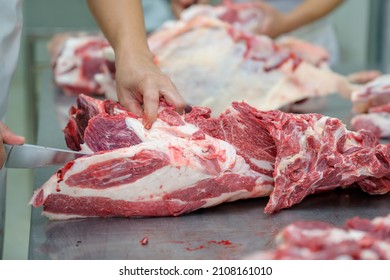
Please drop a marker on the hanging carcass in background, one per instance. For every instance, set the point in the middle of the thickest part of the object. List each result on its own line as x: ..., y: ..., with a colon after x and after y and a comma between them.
x: 371, y: 106
x: 214, y: 58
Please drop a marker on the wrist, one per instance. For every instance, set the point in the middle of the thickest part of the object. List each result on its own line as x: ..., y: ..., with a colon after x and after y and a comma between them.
x: 288, y: 24
x: 130, y: 52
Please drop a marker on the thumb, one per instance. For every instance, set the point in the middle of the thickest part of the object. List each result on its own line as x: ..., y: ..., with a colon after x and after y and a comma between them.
x: 7, y: 136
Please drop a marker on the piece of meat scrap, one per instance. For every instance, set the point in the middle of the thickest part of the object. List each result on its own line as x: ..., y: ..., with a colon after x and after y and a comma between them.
x: 358, y: 239
x: 371, y: 105
x: 372, y: 94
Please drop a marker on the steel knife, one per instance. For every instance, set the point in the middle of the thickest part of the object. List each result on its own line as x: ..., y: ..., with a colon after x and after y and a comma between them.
x: 32, y: 156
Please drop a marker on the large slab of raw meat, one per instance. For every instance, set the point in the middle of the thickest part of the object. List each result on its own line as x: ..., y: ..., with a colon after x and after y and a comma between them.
x: 214, y: 64
x: 214, y: 57
x: 188, y: 162
x: 314, y: 153
x: 172, y: 169
x: 247, y: 17
x: 357, y: 239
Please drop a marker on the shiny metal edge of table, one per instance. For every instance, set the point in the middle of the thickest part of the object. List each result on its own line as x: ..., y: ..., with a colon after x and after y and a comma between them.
x: 228, y: 231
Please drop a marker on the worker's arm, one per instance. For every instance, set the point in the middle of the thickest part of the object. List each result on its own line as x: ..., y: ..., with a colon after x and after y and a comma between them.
x: 277, y: 23
x: 7, y: 136
x: 138, y: 80
x: 179, y: 5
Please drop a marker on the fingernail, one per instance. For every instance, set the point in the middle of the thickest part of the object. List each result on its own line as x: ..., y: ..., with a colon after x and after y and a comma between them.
x: 146, y: 124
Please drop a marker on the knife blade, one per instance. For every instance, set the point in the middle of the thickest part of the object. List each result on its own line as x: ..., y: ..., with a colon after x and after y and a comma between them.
x: 32, y: 156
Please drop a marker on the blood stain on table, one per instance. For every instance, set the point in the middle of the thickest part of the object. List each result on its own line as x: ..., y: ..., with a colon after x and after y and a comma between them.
x: 210, y: 243
x: 144, y: 240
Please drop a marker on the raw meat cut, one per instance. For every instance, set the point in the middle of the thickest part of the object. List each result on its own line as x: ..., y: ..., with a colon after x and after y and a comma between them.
x: 245, y: 16
x: 372, y: 94
x: 172, y: 169
x: 240, y: 126
x: 214, y: 58
x: 214, y: 64
x: 314, y: 153
x: 358, y: 239
x: 376, y: 120
x: 371, y: 104
x: 249, y: 17
x: 155, y: 178
x: 105, y: 117
x: 97, y: 125
x: 317, y: 153
x: 76, y: 59
x: 243, y: 153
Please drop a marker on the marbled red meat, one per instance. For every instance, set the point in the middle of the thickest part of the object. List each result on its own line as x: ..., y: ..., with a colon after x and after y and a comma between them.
x: 187, y: 162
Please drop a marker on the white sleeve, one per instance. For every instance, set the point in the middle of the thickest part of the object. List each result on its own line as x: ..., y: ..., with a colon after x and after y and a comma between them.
x: 11, y: 27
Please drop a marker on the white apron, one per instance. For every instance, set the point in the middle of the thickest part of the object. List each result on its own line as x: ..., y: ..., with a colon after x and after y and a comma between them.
x: 10, y: 32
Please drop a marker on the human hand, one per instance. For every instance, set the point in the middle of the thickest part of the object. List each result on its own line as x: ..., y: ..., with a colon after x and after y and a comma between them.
x: 7, y: 136
x: 140, y: 84
x: 275, y: 23
x: 363, y: 77
x: 179, y: 5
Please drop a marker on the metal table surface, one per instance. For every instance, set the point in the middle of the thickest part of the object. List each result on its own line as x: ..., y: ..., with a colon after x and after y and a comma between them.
x: 228, y: 231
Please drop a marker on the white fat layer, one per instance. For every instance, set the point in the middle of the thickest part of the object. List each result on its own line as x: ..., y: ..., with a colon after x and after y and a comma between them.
x: 380, y: 120
x: 158, y: 183
x: 368, y: 255
x: 55, y: 216
x: 262, y: 164
x: 230, y: 196
x: 160, y: 130
x: 85, y: 149
x: 182, y: 172
x: 382, y: 220
x: 375, y: 87
x: 384, y: 247
x: 335, y: 234
x: 109, y: 54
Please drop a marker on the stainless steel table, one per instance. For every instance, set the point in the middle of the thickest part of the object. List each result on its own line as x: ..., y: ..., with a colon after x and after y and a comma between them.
x: 228, y: 231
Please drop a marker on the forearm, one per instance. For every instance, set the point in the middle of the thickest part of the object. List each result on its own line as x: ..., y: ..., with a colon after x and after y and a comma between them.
x: 309, y: 11
x: 122, y: 23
